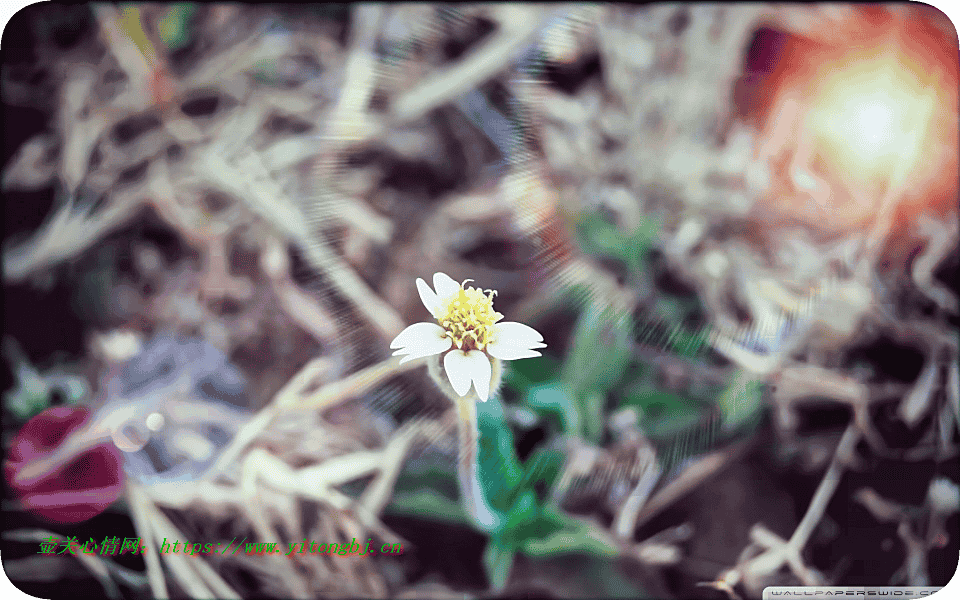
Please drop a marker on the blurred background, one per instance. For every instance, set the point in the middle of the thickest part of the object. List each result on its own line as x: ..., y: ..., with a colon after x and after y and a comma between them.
x: 735, y: 226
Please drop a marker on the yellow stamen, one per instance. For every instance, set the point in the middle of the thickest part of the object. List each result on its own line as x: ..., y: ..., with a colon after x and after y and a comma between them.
x: 468, y: 318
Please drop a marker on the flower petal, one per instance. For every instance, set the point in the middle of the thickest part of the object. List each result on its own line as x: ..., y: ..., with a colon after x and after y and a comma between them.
x: 516, y: 334
x: 412, y: 335
x: 446, y: 287
x: 509, y: 352
x: 465, y: 367
x: 421, y: 339
x: 435, y: 348
x: 480, y: 372
x: 454, y: 363
x: 429, y: 299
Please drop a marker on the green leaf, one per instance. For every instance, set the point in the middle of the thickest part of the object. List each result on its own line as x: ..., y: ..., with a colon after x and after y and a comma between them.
x: 593, y: 414
x: 690, y: 343
x: 544, y: 467
x: 664, y: 333
x: 600, y: 352
x: 497, y: 561
x: 427, y: 504
x: 599, y: 237
x: 563, y: 534
x: 523, y: 520
x: 432, y: 470
x: 29, y: 398
x: 601, y: 349
x: 498, y: 467
x: 570, y: 541
x: 643, y: 237
x: 529, y: 372
x: 33, y: 391
x: 174, y: 28
x: 556, y: 398
x: 664, y: 414
x: 742, y: 401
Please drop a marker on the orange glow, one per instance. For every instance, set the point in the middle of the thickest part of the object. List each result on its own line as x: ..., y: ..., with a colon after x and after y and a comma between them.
x: 854, y: 121
x: 870, y: 118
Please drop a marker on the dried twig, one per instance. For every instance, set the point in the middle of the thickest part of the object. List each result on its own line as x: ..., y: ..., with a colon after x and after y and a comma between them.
x: 297, y: 395
x: 942, y: 240
x: 248, y: 179
x: 518, y: 26
x: 300, y: 306
x: 66, y: 234
x: 778, y: 551
x: 688, y: 480
x: 625, y: 522
x: 140, y: 513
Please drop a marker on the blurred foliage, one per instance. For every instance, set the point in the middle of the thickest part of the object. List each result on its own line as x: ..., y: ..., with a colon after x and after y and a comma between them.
x: 174, y: 28
x: 516, y: 493
x: 33, y: 391
x: 571, y: 396
x: 602, y: 361
x: 513, y: 491
x: 742, y: 401
x: 599, y: 237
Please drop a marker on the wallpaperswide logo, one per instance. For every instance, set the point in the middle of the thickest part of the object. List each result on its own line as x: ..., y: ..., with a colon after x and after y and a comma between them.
x: 886, y: 593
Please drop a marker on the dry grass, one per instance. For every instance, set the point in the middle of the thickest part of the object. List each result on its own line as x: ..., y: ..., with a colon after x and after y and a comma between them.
x: 294, y: 161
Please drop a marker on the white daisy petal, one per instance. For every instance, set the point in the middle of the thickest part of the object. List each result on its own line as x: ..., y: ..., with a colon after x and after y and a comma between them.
x: 516, y: 334
x: 510, y: 352
x: 427, y: 296
x: 445, y: 286
x: 465, y: 367
x: 455, y: 364
x: 480, y: 372
x: 428, y: 348
x: 412, y: 335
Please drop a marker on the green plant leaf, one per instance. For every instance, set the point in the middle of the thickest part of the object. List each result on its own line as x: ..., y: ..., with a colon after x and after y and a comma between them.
x: 593, y: 411
x: 33, y: 391
x: 174, y: 28
x: 599, y: 237
x: 556, y: 398
x: 600, y: 351
x: 497, y: 561
x: 529, y: 372
x: 30, y: 397
x: 498, y: 467
x: 741, y: 402
x: 642, y: 239
x: 427, y: 504
x: 432, y: 470
x: 523, y: 520
x: 563, y: 534
x: 542, y: 467
x: 577, y: 540
x: 664, y: 414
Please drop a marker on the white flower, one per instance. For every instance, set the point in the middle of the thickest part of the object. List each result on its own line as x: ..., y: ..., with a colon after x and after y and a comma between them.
x: 468, y: 332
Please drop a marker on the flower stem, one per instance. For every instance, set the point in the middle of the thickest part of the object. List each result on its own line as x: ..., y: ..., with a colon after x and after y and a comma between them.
x: 468, y: 475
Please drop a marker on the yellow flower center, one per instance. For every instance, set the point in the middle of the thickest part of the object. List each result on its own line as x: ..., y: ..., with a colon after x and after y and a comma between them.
x: 468, y: 318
